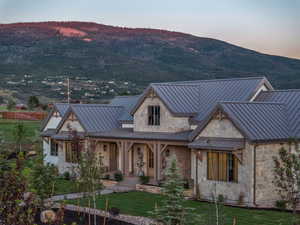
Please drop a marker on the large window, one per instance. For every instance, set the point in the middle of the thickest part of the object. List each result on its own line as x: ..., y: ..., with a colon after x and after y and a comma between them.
x: 154, y: 115
x: 53, y: 148
x: 72, y: 153
x: 222, y: 167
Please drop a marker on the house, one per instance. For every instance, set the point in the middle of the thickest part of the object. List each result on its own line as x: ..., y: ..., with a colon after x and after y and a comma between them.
x: 223, y: 133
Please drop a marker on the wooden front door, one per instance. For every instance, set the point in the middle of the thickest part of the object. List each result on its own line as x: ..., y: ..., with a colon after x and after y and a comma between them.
x: 150, y: 163
x: 113, y: 157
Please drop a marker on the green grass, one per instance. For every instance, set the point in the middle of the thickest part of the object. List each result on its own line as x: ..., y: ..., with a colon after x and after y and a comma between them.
x: 140, y: 203
x: 7, y: 127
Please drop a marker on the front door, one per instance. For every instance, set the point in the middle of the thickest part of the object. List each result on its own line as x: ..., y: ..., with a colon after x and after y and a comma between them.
x: 113, y: 157
x: 150, y: 163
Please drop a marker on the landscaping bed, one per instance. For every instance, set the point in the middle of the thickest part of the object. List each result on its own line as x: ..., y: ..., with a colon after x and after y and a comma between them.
x: 71, y: 217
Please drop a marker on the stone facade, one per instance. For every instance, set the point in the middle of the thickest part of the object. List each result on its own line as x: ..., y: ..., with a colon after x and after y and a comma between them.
x: 168, y: 122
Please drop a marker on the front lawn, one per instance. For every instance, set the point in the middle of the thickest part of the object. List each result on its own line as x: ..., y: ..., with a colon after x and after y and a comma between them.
x: 140, y: 203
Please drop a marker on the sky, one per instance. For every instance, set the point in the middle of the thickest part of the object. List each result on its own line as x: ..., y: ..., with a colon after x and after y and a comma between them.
x: 268, y: 26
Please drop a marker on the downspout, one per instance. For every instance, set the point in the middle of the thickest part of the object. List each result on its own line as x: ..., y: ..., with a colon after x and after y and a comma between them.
x: 196, y: 186
x: 254, y: 175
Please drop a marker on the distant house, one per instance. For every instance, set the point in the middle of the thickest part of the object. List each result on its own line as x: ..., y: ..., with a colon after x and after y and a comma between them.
x: 223, y: 132
x: 21, y: 107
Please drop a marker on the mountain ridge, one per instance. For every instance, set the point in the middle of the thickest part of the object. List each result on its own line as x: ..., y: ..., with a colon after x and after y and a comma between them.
x: 139, y: 54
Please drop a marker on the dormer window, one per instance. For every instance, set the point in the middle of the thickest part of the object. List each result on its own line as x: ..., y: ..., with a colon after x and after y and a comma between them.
x: 154, y: 115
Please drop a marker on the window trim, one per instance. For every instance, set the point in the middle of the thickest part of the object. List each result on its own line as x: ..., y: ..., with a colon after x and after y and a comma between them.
x: 235, y: 167
x: 53, y: 152
x: 154, y: 115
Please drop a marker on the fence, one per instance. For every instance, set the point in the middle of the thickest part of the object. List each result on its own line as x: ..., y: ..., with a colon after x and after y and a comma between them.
x: 23, y: 115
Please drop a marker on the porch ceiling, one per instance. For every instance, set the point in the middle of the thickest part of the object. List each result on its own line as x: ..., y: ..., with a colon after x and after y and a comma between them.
x: 225, y: 144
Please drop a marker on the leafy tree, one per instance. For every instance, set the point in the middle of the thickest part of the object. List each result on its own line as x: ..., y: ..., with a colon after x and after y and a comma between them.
x: 172, y: 210
x: 287, y: 176
x: 17, y: 206
x: 11, y: 104
x: 33, y: 102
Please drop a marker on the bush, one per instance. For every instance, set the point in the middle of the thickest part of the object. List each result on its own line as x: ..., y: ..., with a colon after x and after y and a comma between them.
x: 106, y: 177
x: 114, y: 211
x: 144, y: 179
x: 66, y: 175
x: 118, y: 176
x: 281, y: 204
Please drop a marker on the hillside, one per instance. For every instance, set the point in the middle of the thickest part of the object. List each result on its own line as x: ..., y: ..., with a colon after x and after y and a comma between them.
x: 139, y: 55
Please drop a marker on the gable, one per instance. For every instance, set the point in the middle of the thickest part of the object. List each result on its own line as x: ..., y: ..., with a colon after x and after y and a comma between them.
x: 168, y: 122
x: 220, y: 126
x: 71, y: 122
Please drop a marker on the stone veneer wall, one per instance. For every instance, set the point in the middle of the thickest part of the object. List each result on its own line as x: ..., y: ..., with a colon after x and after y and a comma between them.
x: 266, y: 193
x: 168, y: 123
x: 230, y: 190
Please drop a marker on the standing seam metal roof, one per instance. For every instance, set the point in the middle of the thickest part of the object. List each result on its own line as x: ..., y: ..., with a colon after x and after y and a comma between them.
x: 291, y: 98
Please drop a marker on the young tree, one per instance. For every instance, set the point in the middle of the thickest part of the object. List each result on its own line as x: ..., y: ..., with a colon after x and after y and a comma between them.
x: 172, y: 210
x: 43, y: 179
x: 287, y: 176
x: 89, y: 170
x: 19, y: 136
x: 11, y: 104
x: 33, y: 102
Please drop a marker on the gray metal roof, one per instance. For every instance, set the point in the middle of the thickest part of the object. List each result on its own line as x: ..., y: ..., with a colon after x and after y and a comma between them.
x: 257, y: 121
x: 291, y: 99
x: 127, y: 102
x: 48, y: 132
x: 128, y: 133
x: 61, y: 108
x: 97, y: 117
x: 198, y: 98
x: 207, y: 143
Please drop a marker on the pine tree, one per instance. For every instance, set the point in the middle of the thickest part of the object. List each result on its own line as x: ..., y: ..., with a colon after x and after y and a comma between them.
x: 172, y: 210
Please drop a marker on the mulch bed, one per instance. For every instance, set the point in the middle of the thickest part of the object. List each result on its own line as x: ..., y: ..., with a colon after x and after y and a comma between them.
x: 83, y: 219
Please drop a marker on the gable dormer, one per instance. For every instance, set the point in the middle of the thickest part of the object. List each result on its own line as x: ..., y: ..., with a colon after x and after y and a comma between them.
x: 71, y: 123
x: 153, y: 115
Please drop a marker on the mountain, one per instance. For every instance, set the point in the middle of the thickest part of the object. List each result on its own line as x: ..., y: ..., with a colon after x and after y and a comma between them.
x: 139, y: 55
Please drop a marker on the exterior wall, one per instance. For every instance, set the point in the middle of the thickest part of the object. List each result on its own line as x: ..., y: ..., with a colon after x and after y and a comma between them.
x: 73, y: 124
x: 183, y: 156
x: 103, y: 154
x: 230, y: 190
x: 220, y: 128
x: 53, y: 123
x: 64, y: 166
x: 47, y: 157
x: 168, y: 123
x: 266, y: 194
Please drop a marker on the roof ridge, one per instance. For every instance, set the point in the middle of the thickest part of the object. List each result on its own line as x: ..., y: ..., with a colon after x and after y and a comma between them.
x: 261, y: 103
x: 212, y: 80
x: 97, y: 105
x: 282, y: 90
x: 125, y: 96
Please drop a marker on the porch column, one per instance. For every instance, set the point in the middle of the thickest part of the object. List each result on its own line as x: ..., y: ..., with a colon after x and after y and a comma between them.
x: 155, y: 151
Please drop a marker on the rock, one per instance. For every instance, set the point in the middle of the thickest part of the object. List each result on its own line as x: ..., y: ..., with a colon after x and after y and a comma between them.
x: 48, y: 216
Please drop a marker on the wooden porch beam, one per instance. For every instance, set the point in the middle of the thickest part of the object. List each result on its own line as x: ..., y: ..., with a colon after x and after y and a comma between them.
x: 239, y: 156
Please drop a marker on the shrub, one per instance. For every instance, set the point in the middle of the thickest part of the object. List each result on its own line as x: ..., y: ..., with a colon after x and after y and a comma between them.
x: 66, y: 175
x: 144, y: 179
x: 106, y: 177
x: 118, y: 176
x: 114, y: 211
x: 281, y: 204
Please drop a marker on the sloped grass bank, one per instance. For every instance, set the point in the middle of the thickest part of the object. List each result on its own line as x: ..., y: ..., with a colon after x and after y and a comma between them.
x: 140, y: 203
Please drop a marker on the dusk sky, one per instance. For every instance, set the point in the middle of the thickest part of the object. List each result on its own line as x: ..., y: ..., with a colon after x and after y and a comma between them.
x: 268, y: 26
